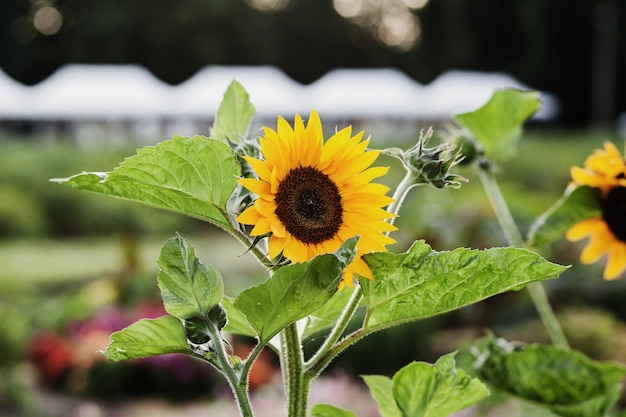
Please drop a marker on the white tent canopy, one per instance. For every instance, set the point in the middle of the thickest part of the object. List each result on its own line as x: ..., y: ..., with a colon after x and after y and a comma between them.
x: 270, y: 90
x: 129, y: 92
x: 381, y: 92
x: 100, y: 92
x: 456, y: 92
x: 14, y: 98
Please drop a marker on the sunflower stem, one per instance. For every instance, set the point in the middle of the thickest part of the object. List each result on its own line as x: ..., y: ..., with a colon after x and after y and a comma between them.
x: 402, y: 190
x: 296, y: 386
x: 514, y: 238
x: 336, y: 332
x: 239, y: 385
x: 248, y: 243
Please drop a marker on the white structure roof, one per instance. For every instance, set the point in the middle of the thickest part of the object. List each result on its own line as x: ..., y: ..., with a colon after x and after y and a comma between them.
x: 14, y: 98
x: 127, y: 92
x: 100, y: 92
x: 367, y: 92
x: 270, y: 90
x: 457, y: 91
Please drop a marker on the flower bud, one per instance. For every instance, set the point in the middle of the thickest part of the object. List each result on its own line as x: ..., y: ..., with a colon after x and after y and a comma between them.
x: 433, y: 165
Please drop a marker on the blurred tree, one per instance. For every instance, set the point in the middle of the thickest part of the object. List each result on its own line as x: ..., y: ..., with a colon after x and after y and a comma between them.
x: 572, y: 48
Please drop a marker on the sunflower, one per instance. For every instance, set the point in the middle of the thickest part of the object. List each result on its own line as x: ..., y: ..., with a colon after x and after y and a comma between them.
x: 313, y: 196
x: 605, y: 169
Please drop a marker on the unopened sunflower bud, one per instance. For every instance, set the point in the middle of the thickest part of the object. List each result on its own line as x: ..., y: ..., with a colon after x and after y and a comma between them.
x: 433, y: 165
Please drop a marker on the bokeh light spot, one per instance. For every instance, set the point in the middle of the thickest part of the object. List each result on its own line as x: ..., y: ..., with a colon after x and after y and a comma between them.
x: 48, y: 20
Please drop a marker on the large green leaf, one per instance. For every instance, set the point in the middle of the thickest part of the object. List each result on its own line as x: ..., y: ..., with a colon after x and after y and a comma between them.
x: 498, y: 124
x: 294, y: 291
x: 577, y: 204
x: 566, y: 381
x: 424, y: 390
x: 328, y: 410
x: 234, y: 115
x: 148, y: 337
x: 189, y: 288
x: 194, y: 176
x: 422, y: 283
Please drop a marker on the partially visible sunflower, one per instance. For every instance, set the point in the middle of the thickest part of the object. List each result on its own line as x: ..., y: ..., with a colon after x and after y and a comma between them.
x: 605, y: 169
x: 313, y: 196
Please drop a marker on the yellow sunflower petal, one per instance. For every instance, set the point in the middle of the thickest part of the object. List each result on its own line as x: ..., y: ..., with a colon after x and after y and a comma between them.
x: 313, y: 141
x: 584, y: 177
x: 249, y: 216
x: 594, y: 250
x: 616, y: 263
x: 352, y: 166
x: 260, y: 188
x: 366, y: 176
x: 261, y: 227
x: 260, y: 167
x: 277, y: 245
x: 278, y: 229
x: 358, y: 266
x: 584, y: 228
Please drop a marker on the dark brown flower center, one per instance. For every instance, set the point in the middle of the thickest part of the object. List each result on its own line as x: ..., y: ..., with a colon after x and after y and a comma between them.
x: 614, y: 212
x: 308, y: 203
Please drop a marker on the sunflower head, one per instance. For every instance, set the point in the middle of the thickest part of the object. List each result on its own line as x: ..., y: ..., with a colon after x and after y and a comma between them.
x: 314, y: 195
x: 605, y: 169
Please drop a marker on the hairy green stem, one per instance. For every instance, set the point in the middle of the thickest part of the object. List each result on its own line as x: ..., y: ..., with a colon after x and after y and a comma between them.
x: 239, y: 385
x: 248, y: 243
x: 339, y: 347
x: 402, y: 190
x: 340, y: 326
x: 513, y: 236
x: 296, y: 386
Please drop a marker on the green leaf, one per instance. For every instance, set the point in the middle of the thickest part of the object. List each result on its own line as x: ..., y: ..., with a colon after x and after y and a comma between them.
x: 422, y: 283
x: 148, y: 337
x: 576, y: 204
x: 294, y: 291
x: 193, y: 176
x: 498, y: 124
x: 189, y: 288
x: 326, y: 316
x: 565, y: 381
x: 234, y: 115
x: 424, y: 390
x: 438, y: 390
x: 327, y: 410
x: 381, y: 388
x: 237, y: 321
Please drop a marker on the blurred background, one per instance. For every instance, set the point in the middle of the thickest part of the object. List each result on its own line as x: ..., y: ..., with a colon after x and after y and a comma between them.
x: 83, y: 83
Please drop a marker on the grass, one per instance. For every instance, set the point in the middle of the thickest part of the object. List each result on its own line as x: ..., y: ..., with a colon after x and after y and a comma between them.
x: 30, y: 263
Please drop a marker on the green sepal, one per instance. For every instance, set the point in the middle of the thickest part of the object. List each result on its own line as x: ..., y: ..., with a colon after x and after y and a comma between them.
x: 294, y: 291
x: 423, y: 390
x: 576, y: 204
x: 148, y: 337
x: 563, y: 380
x: 498, y: 124
x: 422, y: 283
x: 193, y: 176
